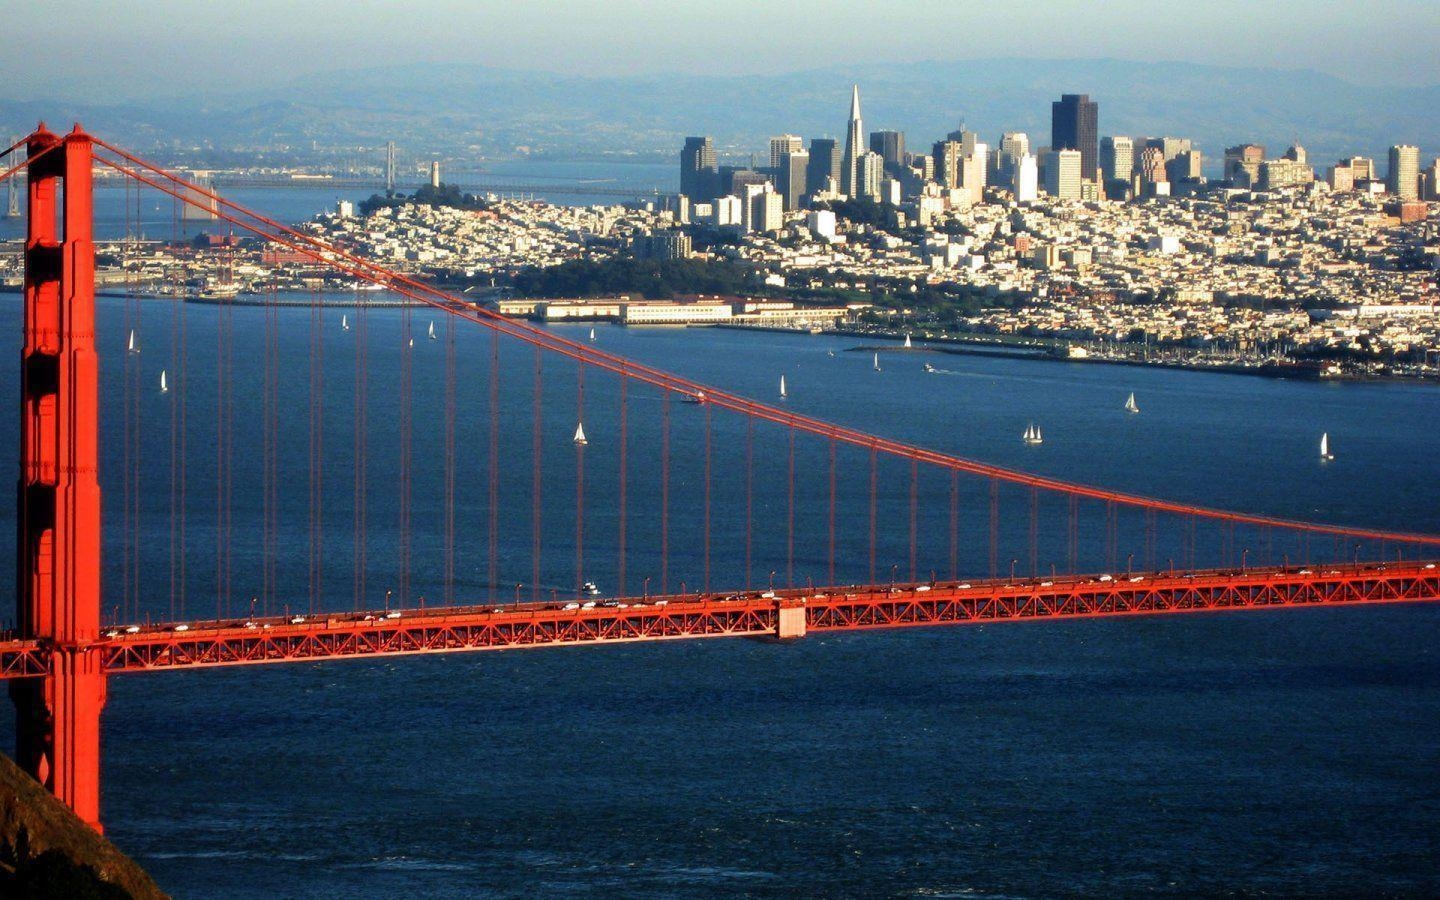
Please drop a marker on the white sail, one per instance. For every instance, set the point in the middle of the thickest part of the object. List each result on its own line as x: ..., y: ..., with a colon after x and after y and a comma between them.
x: 782, y: 387
x: 164, y: 387
x: 432, y: 331
x: 907, y: 342
x: 580, y: 434
x: 412, y: 342
x: 132, y: 346
x: 1130, y: 405
x: 1325, y: 446
x: 592, y: 335
x: 876, y: 362
x: 344, y: 322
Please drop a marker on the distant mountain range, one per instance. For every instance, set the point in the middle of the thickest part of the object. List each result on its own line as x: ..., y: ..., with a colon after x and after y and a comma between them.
x: 465, y: 110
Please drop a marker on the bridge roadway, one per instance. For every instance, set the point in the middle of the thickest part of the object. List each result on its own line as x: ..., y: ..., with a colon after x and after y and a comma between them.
x: 783, y: 614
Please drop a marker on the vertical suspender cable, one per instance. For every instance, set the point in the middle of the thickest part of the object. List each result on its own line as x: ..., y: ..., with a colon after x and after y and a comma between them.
x: 830, y: 555
x: 579, y: 482
x: 623, y: 478
x: 449, y: 586
x: 790, y: 510
x: 874, y: 476
x: 535, y: 481
x: 705, y: 581
x: 914, y: 516
x: 492, y: 528
x: 665, y: 493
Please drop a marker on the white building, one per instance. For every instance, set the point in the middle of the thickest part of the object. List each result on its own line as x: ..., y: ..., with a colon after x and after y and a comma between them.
x: 1062, y: 174
x: 1027, y: 179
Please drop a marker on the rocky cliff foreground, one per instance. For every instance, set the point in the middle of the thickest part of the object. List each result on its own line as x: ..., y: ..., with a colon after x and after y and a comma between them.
x: 47, y: 852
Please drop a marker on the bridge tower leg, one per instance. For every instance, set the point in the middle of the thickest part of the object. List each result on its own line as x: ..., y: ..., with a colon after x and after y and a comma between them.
x: 58, y: 503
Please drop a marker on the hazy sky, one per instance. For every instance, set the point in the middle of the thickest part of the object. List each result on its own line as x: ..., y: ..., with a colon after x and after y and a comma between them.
x: 110, y: 50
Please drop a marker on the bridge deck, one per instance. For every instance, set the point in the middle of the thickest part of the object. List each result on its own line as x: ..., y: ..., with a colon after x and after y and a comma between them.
x: 449, y: 629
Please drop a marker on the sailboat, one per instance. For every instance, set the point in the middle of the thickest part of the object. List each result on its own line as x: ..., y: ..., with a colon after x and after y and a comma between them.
x: 907, y: 342
x: 783, y: 395
x: 1130, y: 404
x: 1033, y: 436
x: 697, y: 397
x: 830, y: 353
x: 929, y: 369
x: 580, y: 435
x: 132, y: 346
x: 1325, y: 453
x: 876, y: 362
x: 432, y: 331
x: 592, y: 335
x: 412, y: 342
x: 344, y: 322
x: 164, y: 386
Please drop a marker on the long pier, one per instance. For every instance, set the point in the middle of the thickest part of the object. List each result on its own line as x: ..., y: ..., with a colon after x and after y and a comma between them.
x: 784, y: 614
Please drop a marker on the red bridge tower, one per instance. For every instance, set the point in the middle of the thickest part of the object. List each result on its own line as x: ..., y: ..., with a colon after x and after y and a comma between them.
x: 58, y: 503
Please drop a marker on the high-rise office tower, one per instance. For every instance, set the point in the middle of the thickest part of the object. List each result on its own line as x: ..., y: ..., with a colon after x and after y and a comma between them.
x: 1242, y: 163
x: 972, y: 173
x: 1117, y: 158
x: 1027, y: 181
x: 1074, y: 125
x: 1152, y: 165
x: 1403, y: 177
x: 869, y: 173
x: 791, y: 176
x: 947, y: 163
x: 1430, y: 182
x: 1063, y: 174
x: 698, y: 169
x: 1185, y: 166
x: 825, y: 157
x: 389, y: 167
x: 854, y: 136
x: 1013, y: 145
x: 891, y: 146
x: 1170, y: 147
x: 779, y: 146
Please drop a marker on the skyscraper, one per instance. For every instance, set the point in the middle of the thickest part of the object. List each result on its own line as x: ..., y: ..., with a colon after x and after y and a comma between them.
x: 1062, y: 174
x: 779, y: 146
x: 1074, y: 125
x: 698, y: 170
x: 1403, y: 177
x: 824, y: 164
x: 947, y: 163
x: 791, y: 176
x: 1013, y: 145
x: 869, y: 172
x: 1026, y: 183
x: 854, y: 146
x: 1117, y: 158
x: 891, y: 146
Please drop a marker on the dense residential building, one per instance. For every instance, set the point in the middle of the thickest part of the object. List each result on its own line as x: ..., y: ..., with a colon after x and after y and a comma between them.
x: 1403, y: 177
x: 699, y: 174
x: 1074, y: 125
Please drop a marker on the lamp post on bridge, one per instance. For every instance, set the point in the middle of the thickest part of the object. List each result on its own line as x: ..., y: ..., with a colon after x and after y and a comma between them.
x: 1244, y: 558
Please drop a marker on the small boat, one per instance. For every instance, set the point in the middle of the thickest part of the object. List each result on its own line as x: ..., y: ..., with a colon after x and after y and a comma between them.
x: 412, y: 342
x: 592, y: 340
x: 697, y: 397
x: 1130, y: 403
x: 907, y: 342
x: 164, y: 386
x: 1325, y: 453
x: 432, y: 331
x: 580, y: 435
x: 590, y: 589
x: 344, y: 322
x: 1032, y: 435
x: 876, y: 362
x: 830, y: 353
x: 783, y: 395
x: 132, y: 346
x: 929, y: 368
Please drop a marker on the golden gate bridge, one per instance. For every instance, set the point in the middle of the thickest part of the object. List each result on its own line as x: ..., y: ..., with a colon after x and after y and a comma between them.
x: 833, y: 508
